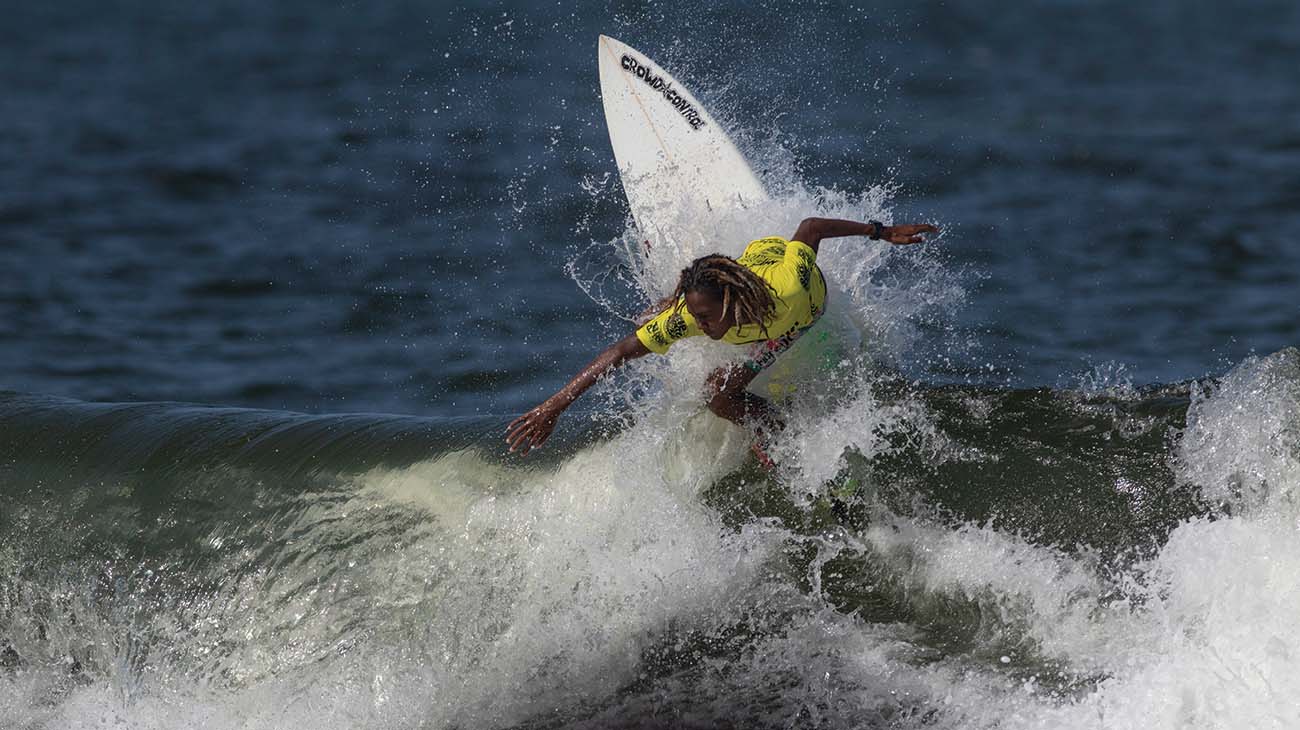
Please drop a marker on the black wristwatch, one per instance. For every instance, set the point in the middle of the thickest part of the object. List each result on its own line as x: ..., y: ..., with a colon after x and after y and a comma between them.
x: 877, y: 229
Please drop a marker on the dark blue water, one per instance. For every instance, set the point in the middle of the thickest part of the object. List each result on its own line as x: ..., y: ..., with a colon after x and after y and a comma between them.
x: 369, y: 207
x: 1065, y: 456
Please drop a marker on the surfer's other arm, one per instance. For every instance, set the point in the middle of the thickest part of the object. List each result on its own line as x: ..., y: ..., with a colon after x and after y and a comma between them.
x: 531, y: 430
x: 812, y: 230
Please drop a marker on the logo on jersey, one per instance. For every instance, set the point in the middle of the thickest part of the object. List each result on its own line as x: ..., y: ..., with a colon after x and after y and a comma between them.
x: 675, y: 327
x: 805, y: 266
x: 805, y: 275
x: 656, y: 333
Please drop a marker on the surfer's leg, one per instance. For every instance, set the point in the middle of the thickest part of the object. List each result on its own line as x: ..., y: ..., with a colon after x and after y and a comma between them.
x: 729, y: 399
x: 753, y: 409
x: 727, y: 395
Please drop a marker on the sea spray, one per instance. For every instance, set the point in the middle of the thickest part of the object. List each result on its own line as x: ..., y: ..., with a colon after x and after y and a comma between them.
x: 403, y: 571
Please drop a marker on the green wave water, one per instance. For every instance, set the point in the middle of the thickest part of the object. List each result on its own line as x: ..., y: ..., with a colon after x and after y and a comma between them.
x: 1009, y: 558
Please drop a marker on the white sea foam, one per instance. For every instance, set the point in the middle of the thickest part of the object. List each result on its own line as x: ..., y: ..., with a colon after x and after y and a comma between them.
x: 527, y: 591
x: 1223, y: 633
x: 1211, y: 638
x: 534, y: 589
x: 1203, y: 635
x: 540, y: 591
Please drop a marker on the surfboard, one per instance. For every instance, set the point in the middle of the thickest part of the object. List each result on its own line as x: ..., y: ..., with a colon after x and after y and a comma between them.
x: 672, y: 155
x: 684, y: 177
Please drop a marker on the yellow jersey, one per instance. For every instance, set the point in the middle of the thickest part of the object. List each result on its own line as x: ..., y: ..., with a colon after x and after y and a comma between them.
x: 797, y: 286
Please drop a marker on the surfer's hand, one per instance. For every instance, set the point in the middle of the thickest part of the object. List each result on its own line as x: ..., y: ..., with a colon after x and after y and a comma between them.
x: 907, y: 233
x: 531, y: 430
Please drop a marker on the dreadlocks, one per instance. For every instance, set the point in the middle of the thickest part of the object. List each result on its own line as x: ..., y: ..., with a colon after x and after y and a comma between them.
x: 744, y: 295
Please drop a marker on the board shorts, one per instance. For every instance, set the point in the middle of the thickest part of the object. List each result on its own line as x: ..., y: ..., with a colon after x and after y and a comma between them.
x: 761, y: 355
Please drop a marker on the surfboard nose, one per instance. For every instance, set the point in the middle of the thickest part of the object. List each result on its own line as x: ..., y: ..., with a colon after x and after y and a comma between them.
x: 614, y: 44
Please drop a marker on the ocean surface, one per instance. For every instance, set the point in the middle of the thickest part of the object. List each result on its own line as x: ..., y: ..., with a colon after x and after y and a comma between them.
x: 278, y: 274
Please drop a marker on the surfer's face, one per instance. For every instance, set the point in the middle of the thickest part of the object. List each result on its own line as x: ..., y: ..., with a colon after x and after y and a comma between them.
x: 708, y: 314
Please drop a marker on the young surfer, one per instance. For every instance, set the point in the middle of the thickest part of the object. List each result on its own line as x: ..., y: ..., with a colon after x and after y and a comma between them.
x: 767, y: 299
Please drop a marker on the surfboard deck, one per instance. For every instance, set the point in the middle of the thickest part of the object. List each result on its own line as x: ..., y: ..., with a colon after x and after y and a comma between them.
x: 672, y: 154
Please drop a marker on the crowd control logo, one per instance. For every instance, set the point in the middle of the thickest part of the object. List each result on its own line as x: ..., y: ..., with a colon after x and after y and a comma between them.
x: 679, y: 102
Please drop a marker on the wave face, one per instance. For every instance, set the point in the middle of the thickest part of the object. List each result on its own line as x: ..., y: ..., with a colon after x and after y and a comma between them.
x: 1009, y: 558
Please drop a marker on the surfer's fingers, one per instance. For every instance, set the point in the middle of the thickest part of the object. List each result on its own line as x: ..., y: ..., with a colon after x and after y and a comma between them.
x: 520, y: 435
x: 521, y: 444
x: 530, y: 418
x: 902, y: 235
x: 536, y: 438
x: 516, y: 426
x: 513, y: 440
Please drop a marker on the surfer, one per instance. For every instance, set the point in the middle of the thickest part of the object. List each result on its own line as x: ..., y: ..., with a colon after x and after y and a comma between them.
x: 767, y: 299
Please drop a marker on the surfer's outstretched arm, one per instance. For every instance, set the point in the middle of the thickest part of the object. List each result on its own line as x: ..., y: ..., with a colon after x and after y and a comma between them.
x: 531, y: 430
x: 812, y: 230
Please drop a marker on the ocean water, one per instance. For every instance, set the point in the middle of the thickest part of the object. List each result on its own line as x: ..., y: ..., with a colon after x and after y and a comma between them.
x: 279, y: 275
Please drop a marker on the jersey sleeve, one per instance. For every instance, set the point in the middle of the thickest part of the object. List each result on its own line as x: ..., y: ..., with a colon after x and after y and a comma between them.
x: 800, y: 261
x: 801, y: 251
x: 786, y: 265
x: 666, y: 328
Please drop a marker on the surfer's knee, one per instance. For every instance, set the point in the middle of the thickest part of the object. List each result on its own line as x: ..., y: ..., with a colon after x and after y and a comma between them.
x: 716, y: 382
x: 725, y: 391
x: 721, y: 404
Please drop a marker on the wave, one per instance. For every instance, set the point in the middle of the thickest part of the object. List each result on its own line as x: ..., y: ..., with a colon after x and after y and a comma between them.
x: 1007, y: 558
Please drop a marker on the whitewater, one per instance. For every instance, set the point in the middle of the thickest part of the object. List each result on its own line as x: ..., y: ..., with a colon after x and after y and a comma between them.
x: 1093, y: 556
x: 281, y: 273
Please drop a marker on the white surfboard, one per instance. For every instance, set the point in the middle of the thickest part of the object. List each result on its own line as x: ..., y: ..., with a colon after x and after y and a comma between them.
x: 672, y: 155
x: 685, y: 180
